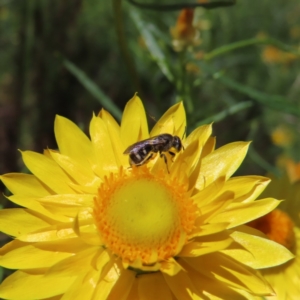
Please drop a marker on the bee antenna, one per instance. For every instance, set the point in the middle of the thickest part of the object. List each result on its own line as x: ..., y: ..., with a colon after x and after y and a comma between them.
x: 152, y: 118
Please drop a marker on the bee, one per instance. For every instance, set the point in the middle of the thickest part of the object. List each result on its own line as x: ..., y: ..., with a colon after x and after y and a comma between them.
x: 141, y: 152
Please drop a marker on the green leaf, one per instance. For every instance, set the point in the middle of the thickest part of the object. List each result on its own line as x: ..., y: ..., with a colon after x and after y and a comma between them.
x: 226, y: 113
x: 250, y: 42
x: 153, y: 46
x: 275, y: 102
x: 1, y: 274
x: 91, y: 86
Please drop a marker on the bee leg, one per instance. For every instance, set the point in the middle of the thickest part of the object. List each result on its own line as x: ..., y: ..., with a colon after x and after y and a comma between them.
x: 148, y: 158
x: 165, y: 159
x: 173, y: 154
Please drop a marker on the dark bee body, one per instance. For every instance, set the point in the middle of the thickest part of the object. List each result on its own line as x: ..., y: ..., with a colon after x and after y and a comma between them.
x: 143, y: 151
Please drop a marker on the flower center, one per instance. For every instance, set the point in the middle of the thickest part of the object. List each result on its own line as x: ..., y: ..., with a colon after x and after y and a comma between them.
x: 278, y: 226
x: 143, y: 218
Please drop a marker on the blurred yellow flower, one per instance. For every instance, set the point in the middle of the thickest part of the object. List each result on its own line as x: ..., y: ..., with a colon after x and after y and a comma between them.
x: 192, y: 68
x: 295, y: 32
x: 273, y: 55
x: 184, y: 33
x: 293, y: 171
x: 282, y: 226
x: 94, y: 228
x: 282, y: 136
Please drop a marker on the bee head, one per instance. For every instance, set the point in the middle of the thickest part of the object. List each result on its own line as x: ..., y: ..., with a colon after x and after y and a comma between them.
x: 177, y: 143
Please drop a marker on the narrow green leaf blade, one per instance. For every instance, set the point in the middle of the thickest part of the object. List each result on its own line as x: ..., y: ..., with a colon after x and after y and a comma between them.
x: 155, y: 49
x: 104, y: 100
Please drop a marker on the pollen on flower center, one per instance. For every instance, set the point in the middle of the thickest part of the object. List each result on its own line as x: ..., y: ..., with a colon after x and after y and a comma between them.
x: 278, y: 226
x: 143, y: 218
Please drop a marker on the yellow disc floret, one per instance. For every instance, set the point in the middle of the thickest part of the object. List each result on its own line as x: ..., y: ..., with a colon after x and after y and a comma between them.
x: 142, y: 227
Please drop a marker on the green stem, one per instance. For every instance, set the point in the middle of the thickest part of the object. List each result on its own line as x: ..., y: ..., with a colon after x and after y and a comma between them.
x: 117, y: 9
x: 183, y: 83
x: 179, y: 6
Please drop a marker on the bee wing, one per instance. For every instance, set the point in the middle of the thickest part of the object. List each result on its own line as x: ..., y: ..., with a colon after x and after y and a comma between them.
x: 129, y: 149
x: 141, y: 144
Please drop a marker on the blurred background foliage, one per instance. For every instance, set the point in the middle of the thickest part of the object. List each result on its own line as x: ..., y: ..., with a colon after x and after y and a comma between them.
x: 236, y: 66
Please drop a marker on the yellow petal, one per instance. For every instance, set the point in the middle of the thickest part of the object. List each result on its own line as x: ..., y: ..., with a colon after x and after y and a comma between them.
x: 18, y: 255
x: 34, y: 206
x: 153, y: 286
x: 28, y: 285
x: 50, y: 233
x: 79, y: 172
x: 84, y: 286
x: 200, y: 134
x: 173, y: 121
x: 222, y: 162
x: 245, y: 212
x: 123, y: 285
x: 207, y: 229
x: 105, y: 157
x: 170, y: 267
x: 72, y: 141
x: 181, y: 286
x: 13, y: 217
x: 246, y: 188
x: 69, y: 199
x: 209, y: 146
x: 134, y: 125
x: 254, y: 251
x: 217, y: 206
x: 47, y: 171
x: 209, y: 288
x: 115, y: 135
x: 109, y: 277
x: 221, y: 267
x: 70, y: 212
x: 75, y: 264
x: 190, y: 157
x: 208, y: 244
x: 133, y: 294
x: 25, y: 184
x: 207, y: 195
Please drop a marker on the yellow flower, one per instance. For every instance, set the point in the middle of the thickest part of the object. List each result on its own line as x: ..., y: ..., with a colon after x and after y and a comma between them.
x: 92, y: 227
x: 282, y: 226
x: 282, y: 136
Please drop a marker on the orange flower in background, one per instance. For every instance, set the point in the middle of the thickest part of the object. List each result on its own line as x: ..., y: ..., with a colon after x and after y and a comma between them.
x: 184, y: 33
x: 285, y: 279
x: 283, y: 226
x: 273, y: 55
x: 293, y: 170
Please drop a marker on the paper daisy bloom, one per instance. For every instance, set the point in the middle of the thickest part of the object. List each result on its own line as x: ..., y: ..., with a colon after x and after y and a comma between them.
x: 285, y: 279
x: 94, y: 227
x: 282, y: 226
